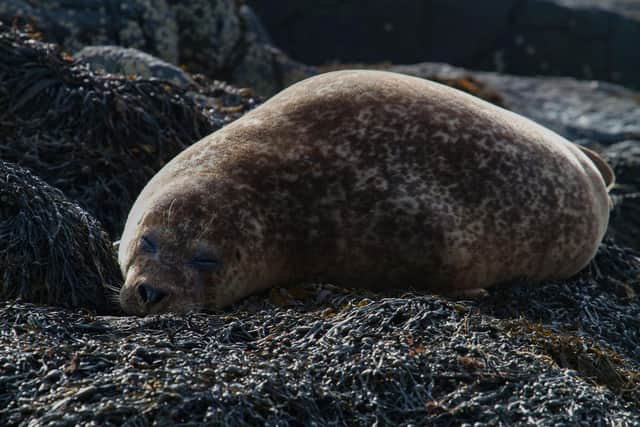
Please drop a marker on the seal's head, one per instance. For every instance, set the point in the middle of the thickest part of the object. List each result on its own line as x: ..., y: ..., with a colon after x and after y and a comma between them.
x: 181, y: 251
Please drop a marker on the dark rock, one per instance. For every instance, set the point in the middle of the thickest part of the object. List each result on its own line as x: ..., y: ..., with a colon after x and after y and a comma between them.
x: 145, y: 25
x: 585, y: 39
x: 218, y: 38
x: 321, y: 31
x: 262, y: 60
x: 254, y: 26
x: 210, y: 36
x: 224, y: 40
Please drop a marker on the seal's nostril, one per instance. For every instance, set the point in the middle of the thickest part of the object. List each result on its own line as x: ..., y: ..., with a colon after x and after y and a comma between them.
x: 149, y: 294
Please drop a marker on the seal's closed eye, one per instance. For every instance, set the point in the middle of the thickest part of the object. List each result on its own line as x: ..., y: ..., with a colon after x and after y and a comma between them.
x: 205, y: 263
x: 148, y: 245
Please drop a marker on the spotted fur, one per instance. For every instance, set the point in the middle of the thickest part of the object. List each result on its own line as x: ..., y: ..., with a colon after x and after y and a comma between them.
x: 368, y: 179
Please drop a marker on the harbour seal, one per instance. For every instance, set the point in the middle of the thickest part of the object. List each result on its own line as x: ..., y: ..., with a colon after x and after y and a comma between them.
x: 364, y: 179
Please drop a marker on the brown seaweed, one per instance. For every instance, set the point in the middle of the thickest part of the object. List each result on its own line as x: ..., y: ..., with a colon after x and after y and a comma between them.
x: 51, y: 250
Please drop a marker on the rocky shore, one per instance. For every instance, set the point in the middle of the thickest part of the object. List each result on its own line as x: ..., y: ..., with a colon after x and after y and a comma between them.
x: 93, y: 101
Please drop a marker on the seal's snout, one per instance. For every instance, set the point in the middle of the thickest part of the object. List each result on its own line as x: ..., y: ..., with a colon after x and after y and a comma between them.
x: 149, y: 295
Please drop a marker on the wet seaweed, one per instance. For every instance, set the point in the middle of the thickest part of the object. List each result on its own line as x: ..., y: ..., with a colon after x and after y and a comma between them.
x: 98, y: 137
x: 51, y: 250
x: 595, y: 363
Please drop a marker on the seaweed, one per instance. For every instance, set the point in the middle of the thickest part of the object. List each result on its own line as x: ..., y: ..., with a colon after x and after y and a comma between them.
x: 51, y: 250
x: 334, y: 357
x: 98, y: 137
x: 593, y: 362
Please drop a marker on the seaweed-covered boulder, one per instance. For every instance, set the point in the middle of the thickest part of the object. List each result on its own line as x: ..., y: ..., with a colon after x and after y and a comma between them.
x: 219, y: 38
x: 52, y: 251
x: 99, y: 137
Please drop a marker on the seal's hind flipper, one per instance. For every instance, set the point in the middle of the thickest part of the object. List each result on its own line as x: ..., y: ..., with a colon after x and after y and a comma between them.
x: 605, y: 170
